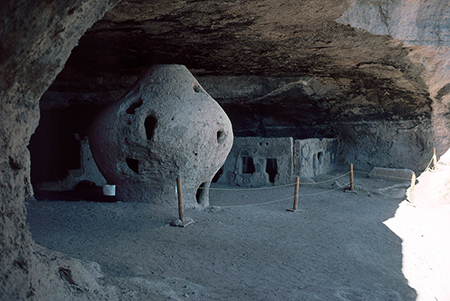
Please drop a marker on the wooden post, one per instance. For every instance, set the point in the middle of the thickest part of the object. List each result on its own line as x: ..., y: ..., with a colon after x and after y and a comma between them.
x: 434, y: 159
x: 297, y: 184
x: 352, y: 184
x: 411, y: 190
x: 180, y: 201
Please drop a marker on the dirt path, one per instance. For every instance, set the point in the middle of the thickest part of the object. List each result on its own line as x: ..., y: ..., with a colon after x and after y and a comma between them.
x: 342, y: 246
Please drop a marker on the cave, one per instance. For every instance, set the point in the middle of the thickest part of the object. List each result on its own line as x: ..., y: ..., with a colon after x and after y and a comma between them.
x: 373, y: 73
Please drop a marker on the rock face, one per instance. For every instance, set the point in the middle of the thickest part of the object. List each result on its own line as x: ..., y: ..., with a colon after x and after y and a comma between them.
x: 279, y: 69
x: 36, y: 39
x: 424, y: 28
x: 373, y: 72
x: 166, y: 127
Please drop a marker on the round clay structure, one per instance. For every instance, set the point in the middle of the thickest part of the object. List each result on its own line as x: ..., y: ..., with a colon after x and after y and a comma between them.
x: 167, y: 126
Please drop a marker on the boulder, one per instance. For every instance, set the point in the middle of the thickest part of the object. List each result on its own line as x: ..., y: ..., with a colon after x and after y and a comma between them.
x: 391, y: 174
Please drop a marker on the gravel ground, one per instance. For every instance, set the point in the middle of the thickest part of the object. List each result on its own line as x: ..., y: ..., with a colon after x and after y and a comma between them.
x: 369, y: 245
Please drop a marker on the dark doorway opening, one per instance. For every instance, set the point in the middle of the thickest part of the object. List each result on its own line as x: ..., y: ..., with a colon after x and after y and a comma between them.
x: 202, y: 194
x: 247, y: 165
x: 272, y: 169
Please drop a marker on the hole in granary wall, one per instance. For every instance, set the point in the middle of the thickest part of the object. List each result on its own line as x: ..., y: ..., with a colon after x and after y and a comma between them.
x: 217, y: 175
x: 134, y: 106
x: 271, y: 169
x: 220, y: 136
x: 247, y: 165
x: 196, y: 87
x: 150, y: 125
x: 133, y: 164
x: 202, y: 193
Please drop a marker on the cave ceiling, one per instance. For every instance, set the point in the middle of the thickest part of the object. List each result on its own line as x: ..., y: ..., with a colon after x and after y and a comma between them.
x: 283, y: 45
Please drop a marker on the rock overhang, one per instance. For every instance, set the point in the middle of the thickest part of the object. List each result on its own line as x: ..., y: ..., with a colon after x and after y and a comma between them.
x: 250, y: 38
x: 278, y: 69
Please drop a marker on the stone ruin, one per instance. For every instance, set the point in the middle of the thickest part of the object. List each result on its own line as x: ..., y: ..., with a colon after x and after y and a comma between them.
x: 167, y: 126
x: 256, y: 161
x: 88, y: 172
x: 314, y: 157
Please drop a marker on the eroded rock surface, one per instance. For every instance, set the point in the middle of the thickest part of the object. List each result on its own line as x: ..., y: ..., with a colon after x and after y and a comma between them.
x: 36, y: 39
x: 279, y: 69
x: 304, y: 68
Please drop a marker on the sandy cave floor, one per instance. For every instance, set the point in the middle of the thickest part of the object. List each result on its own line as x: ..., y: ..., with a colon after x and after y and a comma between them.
x: 372, y: 245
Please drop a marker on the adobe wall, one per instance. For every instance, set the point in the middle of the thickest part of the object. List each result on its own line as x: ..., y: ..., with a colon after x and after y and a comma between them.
x: 256, y: 162
x: 313, y: 157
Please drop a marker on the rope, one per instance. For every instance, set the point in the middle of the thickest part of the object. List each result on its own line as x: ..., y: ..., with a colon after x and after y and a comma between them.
x: 429, y: 163
x: 387, y: 177
x: 281, y: 200
x: 262, y: 188
x: 326, y: 181
x: 391, y: 177
x: 274, y: 187
x: 247, y: 189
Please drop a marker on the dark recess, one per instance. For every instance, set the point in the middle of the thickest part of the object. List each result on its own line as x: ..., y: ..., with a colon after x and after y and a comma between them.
x: 150, y: 125
x: 247, y: 165
x: 272, y: 169
x: 133, y: 164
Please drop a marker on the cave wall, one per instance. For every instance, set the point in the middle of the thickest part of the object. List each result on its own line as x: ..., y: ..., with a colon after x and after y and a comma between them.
x: 36, y: 38
x: 373, y: 72
x: 424, y: 27
x: 279, y: 69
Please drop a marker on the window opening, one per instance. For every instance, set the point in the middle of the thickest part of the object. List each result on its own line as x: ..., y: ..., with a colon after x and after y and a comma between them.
x: 247, y: 165
x: 150, y: 125
x: 134, y: 106
x: 202, y: 193
x: 133, y: 164
x: 221, y: 136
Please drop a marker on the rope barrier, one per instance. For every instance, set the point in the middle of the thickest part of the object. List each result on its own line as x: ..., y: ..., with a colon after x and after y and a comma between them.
x: 401, y: 178
x: 429, y: 163
x: 283, y: 199
x: 387, y: 177
x: 326, y: 181
x: 273, y: 187
x: 249, y: 189
x: 241, y: 188
x: 265, y: 188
